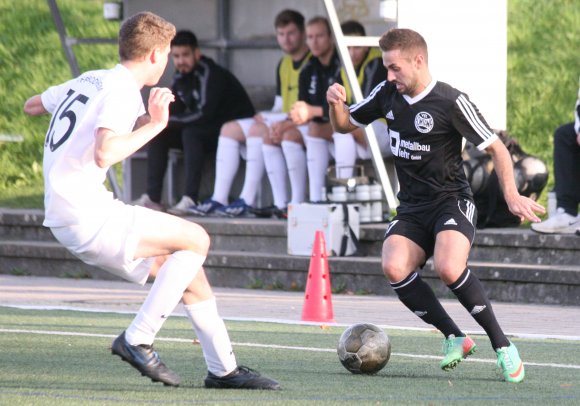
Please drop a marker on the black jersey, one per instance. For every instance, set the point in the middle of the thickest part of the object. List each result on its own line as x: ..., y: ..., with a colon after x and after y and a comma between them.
x: 426, y: 138
x: 208, y: 95
x: 315, y: 78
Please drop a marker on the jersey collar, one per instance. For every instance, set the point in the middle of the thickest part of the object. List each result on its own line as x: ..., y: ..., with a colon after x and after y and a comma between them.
x: 423, y: 94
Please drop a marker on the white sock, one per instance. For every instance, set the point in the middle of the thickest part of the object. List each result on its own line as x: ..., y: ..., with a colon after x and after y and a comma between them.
x: 172, y: 279
x: 296, y: 161
x: 317, y: 156
x: 227, y: 162
x: 344, y: 154
x: 254, y: 170
x: 276, y: 170
x: 213, y: 336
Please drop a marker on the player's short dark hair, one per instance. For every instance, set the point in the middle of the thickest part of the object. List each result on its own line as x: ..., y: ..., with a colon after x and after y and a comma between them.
x: 320, y: 20
x: 402, y: 39
x: 352, y: 27
x: 289, y: 16
x: 185, y: 38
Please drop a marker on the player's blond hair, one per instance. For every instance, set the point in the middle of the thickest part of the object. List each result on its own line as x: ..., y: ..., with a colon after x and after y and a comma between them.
x: 142, y: 33
x: 403, y: 39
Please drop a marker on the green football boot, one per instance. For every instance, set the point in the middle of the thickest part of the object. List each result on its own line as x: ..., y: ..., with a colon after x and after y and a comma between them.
x: 510, y: 363
x: 455, y: 350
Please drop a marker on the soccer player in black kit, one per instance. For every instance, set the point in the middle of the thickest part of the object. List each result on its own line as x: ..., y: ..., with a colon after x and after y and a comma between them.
x: 427, y: 120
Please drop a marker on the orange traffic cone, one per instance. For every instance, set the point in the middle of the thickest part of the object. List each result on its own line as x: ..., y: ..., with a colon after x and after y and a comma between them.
x: 317, y: 300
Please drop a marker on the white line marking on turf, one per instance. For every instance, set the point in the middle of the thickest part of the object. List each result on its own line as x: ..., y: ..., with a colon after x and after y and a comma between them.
x: 272, y: 346
x: 295, y: 322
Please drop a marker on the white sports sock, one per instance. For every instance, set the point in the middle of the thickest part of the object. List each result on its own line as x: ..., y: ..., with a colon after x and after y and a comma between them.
x: 317, y: 156
x: 254, y: 170
x: 295, y: 156
x: 276, y: 170
x: 213, y: 337
x: 172, y: 279
x: 227, y: 162
x: 344, y: 154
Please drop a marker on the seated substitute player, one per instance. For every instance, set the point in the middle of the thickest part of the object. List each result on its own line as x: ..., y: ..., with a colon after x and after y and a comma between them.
x: 207, y: 96
x: 310, y: 113
x: 427, y: 120
x: 251, y: 137
x: 567, y: 175
x: 93, y: 117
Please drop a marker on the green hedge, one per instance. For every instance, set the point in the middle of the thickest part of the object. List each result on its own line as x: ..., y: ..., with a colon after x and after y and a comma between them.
x: 543, y: 69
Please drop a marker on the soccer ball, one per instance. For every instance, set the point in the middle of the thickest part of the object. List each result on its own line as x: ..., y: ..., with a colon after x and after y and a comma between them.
x: 364, y: 349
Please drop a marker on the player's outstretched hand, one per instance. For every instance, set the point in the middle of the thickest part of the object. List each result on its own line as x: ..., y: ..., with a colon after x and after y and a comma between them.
x: 526, y: 208
x: 336, y: 94
x: 159, y: 100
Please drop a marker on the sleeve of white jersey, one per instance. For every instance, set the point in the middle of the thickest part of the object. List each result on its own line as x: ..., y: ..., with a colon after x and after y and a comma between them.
x: 278, y: 104
x: 53, y: 95
x: 119, y: 111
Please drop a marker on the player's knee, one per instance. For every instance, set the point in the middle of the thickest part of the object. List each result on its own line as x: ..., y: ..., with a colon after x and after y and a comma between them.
x: 197, y: 239
x: 231, y: 129
x: 448, y: 270
x: 393, y: 270
x: 292, y: 135
x: 258, y: 130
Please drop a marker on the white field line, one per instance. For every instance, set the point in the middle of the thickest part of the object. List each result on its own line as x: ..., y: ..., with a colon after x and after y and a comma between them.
x: 295, y: 322
x: 270, y: 346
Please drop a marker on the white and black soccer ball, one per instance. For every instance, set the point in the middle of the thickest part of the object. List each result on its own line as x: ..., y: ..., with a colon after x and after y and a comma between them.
x: 364, y: 349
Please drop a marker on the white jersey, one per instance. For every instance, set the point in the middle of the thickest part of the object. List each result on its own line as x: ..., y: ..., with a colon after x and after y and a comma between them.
x: 74, y: 185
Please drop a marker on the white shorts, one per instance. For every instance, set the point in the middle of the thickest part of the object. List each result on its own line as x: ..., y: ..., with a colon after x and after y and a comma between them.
x: 245, y: 124
x: 271, y: 117
x: 361, y: 152
x: 111, y: 245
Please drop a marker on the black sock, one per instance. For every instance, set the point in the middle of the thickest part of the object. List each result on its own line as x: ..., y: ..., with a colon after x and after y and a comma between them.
x: 420, y: 299
x: 472, y: 296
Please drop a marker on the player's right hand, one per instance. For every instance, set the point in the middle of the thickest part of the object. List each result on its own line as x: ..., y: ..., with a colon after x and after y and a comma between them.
x: 159, y: 99
x: 336, y: 94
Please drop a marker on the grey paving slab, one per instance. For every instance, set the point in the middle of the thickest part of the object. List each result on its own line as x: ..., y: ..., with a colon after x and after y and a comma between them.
x: 516, y: 319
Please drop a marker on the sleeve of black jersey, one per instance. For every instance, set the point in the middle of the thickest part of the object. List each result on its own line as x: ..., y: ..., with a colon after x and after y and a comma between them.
x: 278, y: 80
x: 211, y: 89
x: 178, y: 106
x: 469, y: 122
x: 303, y: 83
x: 370, y: 108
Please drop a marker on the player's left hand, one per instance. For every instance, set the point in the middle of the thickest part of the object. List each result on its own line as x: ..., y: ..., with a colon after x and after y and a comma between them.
x: 525, y: 208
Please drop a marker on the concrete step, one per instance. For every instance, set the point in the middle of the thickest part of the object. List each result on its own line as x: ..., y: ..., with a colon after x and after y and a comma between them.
x: 508, y: 282
x: 516, y: 265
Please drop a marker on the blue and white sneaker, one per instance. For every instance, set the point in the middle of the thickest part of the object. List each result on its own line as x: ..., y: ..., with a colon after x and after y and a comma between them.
x: 205, y: 208
x: 238, y: 208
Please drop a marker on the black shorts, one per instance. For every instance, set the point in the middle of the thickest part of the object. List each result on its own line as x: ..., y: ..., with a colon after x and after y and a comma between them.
x: 421, y: 227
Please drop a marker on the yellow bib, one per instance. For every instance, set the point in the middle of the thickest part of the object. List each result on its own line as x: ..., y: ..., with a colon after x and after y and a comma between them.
x: 374, y: 53
x: 289, y: 80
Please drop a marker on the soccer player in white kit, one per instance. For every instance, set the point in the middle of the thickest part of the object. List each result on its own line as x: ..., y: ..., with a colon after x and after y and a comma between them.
x: 93, y: 125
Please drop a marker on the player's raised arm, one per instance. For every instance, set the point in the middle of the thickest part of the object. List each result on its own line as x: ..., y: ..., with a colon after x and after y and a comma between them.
x: 338, y: 110
x: 111, y: 148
